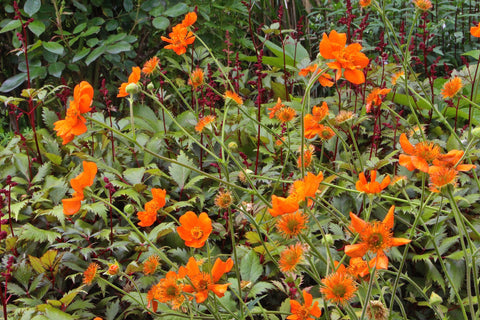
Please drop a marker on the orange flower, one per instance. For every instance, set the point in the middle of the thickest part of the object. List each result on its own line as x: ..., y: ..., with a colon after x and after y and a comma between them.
x: 339, y: 287
x: 452, y: 160
x: 364, y: 3
x: 308, y: 186
x: 325, y: 80
x: 201, y: 283
x: 376, y: 237
x: 286, y: 114
x: 223, y: 199
x: 80, y: 182
x: 291, y: 224
x: 134, y: 77
x: 275, y: 108
x: 90, y: 273
x: 113, y: 269
x: 418, y: 156
x: 349, y: 58
x: 149, y: 216
x: 74, y: 123
x: 312, y: 123
x: 194, y: 230
x: 97, y: 318
x: 281, y: 205
x: 196, y: 78
x: 325, y: 132
x: 203, y: 122
x: 290, y: 258
x: 358, y: 267
x: 150, y: 66
x: 441, y: 176
x: 373, y: 186
x: 423, y: 5
x: 475, y: 31
x: 307, y: 159
x: 305, y: 311
x: 451, y: 88
x: 310, y: 69
x: 168, y: 290
x: 319, y: 113
x: 396, y: 76
x: 232, y: 95
x: 374, y: 98
x: 150, y: 265
x: 181, y: 37
x: 190, y: 19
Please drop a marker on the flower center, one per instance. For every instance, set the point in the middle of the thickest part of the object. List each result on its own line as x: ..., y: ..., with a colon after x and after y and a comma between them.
x: 376, y: 240
x: 427, y: 150
x: 171, y: 291
x: 197, y: 233
x: 339, y: 290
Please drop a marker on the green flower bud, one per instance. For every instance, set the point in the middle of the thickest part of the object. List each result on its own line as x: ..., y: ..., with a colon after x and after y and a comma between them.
x: 132, y: 88
x: 233, y: 146
x: 129, y: 209
x: 150, y: 86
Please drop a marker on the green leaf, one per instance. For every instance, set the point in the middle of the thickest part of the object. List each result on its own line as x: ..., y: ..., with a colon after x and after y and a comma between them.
x: 12, y: 25
x: 80, y: 27
x: 161, y: 23
x: 31, y: 233
x: 32, y: 6
x: 13, y: 82
x: 56, y: 159
x: 250, y: 267
x: 112, y: 310
x: 54, y: 313
x: 37, y: 27
x: 80, y: 54
x: 55, y: 69
x: 134, y: 175
x: 49, y: 117
x: 119, y: 47
x: 42, y: 172
x: 53, y: 47
x: 176, y: 10
x: 472, y: 53
x: 180, y: 173
x: 94, y: 55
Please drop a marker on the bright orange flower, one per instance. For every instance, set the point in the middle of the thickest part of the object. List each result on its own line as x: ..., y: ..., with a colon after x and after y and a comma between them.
x: 441, y: 176
x: 475, y: 31
x: 451, y: 88
x: 307, y: 159
x: 422, y: 5
x: 150, y: 265
x: 376, y: 238
x: 325, y: 80
x: 358, y: 267
x: 291, y: 224
x: 134, y: 77
x: 190, y: 19
x: 308, y: 186
x: 319, y: 113
x: 181, y: 37
x: 310, y: 69
x: 396, y: 76
x: 281, y: 205
x: 325, y: 133
x: 196, y: 78
x: 90, y: 273
x: 275, y: 108
x: 168, y: 290
x: 201, y: 283
x: 374, y: 99
x: 203, y: 122
x: 349, y: 58
x: 373, y: 186
x: 234, y: 96
x: 150, y: 66
x: 224, y: 199
x: 305, y: 311
x: 339, y: 287
x: 290, y: 258
x: 418, y: 156
x: 452, y: 160
x: 286, y: 114
x: 194, y: 230
x: 364, y: 3
x: 149, y: 216
x: 113, y: 269
x: 97, y: 318
x: 80, y: 182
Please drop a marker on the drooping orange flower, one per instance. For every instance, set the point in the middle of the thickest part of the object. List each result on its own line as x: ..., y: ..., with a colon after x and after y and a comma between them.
x: 168, y: 290
x: 372, y: 187
x: 149, y: 216
x: 203, y: 122
x: 349, y: 59
x: 396, y: 76
x: 190, y: 19
x: 234, y: 96
x: 319, y: 113
x: 451, y: 88
x: 281, y: 205
x: 80, y: 182
x: 364, y: 3
x: 290, y: 258
x: 74, y: 123
x: 418, y: 156
x: 273, y: 110
x: 441, y: 176
x: 475, y: 31
x: 310, y: 69
x: 286, y: 114
x: 307, y: 311
x: 201, y: 283
x: 308, y: 186
x: 422, y: 5
x: 291, y: 224
x: 339, y: 286
x: 194, y: 230
x: 452, y: 160
x: 375, y: 99
x: 134, y: 77
x: 196, y: 78
x: 150, y: 66
x: 375, y: 237
x: 313, y: 126
x: 150, y: 265
x: 90, y: 273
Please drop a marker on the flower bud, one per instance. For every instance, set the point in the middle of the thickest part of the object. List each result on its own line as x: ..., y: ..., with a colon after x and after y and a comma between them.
x: 132, y: 88
x: 233, y: 146
x: 129, y: 209
x: 150, y: 86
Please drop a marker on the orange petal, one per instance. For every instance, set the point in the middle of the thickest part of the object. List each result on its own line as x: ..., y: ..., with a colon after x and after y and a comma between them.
x: 406, y: 145
x: 388, y: 220
x: 358, y: 224
x: 356, y: 250
x: 420, y: 163
x: 400, y: 242
x: 379, y: 262
x: 220, y: 268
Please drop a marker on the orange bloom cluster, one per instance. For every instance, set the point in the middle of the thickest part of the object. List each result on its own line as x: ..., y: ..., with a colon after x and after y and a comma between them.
x: 273, y: 110
x: 313, y: 126
x: 196, y: 78
x: 234, y: 96
x: 194, y: 230
x: 475, y: 31
x: 373, y: 186
x: 148, y: 217
x: 422, y: 5
x: 150, y: 265
x: 375, y: 237
x: 134, y: 77
x: 181, y: 37
x: 168, y: 290
x: 305, y: 311
x: 80, y: 182
x: 375, y: 99
x: 90, y: 273
x: 364, y: 3
x: 418, y: 156
x: 290, y: 258
x: 150, y: 66
x: 451, y: 88
x: 349, y: 58
x: 203, y: 122
x: 74, y: 123
x: 339, y: 287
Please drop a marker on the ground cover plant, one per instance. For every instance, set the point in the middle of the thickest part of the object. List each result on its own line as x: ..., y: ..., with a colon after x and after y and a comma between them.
x: 286, y: 166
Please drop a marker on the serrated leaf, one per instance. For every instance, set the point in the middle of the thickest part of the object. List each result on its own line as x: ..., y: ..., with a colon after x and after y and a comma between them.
x: 56, y: 159
x: 57, y: 314
x: 259, y: 288
x: 48, y: 259
x: 36, y: 264
x: 250, y: 267
x: 49, y: 117
x: 31, y: 233
x: 180, y: 173
x: 134, y: 175
x: 161, y: 230
x: 112, y: 310
x: 43, y: 171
